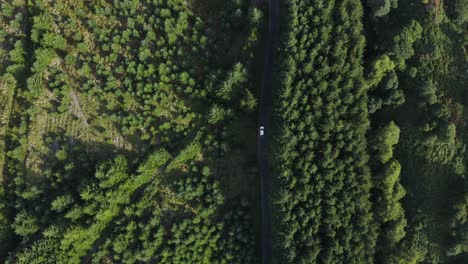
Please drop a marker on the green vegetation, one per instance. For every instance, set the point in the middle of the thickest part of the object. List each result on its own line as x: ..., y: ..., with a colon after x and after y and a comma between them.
x: 381, y: 8
x: 324, y: 181
x: 128, y: 131
x: 426, y: 40
x: 391, y: 105
x: 387, y: 195
x: 114, y: 132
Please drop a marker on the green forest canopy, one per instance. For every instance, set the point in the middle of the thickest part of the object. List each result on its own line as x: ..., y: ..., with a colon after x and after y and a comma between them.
x: 128, y: 131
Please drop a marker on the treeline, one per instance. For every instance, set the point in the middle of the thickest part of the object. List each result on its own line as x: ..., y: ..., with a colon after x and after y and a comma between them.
x: 120, y: 131
x: 324, y: 183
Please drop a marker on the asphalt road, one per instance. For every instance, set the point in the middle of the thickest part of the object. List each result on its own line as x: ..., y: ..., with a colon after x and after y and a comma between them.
x: 264, y: 119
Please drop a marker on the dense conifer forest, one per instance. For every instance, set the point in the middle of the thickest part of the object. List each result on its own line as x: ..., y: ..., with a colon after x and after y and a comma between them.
x: 130, y: 130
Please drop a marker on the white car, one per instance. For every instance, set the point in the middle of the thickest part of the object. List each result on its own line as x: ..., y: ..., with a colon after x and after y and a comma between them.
x: 262, y: 130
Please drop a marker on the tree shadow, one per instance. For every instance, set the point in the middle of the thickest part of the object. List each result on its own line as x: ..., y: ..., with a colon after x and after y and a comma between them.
x: 68, y: 166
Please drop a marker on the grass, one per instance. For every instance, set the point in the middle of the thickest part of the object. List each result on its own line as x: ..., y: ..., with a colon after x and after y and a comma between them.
x: 6, y: 102
x: 80, y: 121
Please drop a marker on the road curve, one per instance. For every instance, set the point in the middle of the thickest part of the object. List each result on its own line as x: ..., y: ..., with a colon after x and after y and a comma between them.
x: 264, y: 119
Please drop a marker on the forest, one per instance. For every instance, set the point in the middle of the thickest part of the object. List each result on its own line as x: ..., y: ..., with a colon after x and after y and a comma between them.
x: 370, y: 145
x: 130, y: 131
x: 116, y: 135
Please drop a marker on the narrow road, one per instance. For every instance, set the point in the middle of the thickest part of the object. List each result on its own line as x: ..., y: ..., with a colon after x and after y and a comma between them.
x: 264, y: 119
